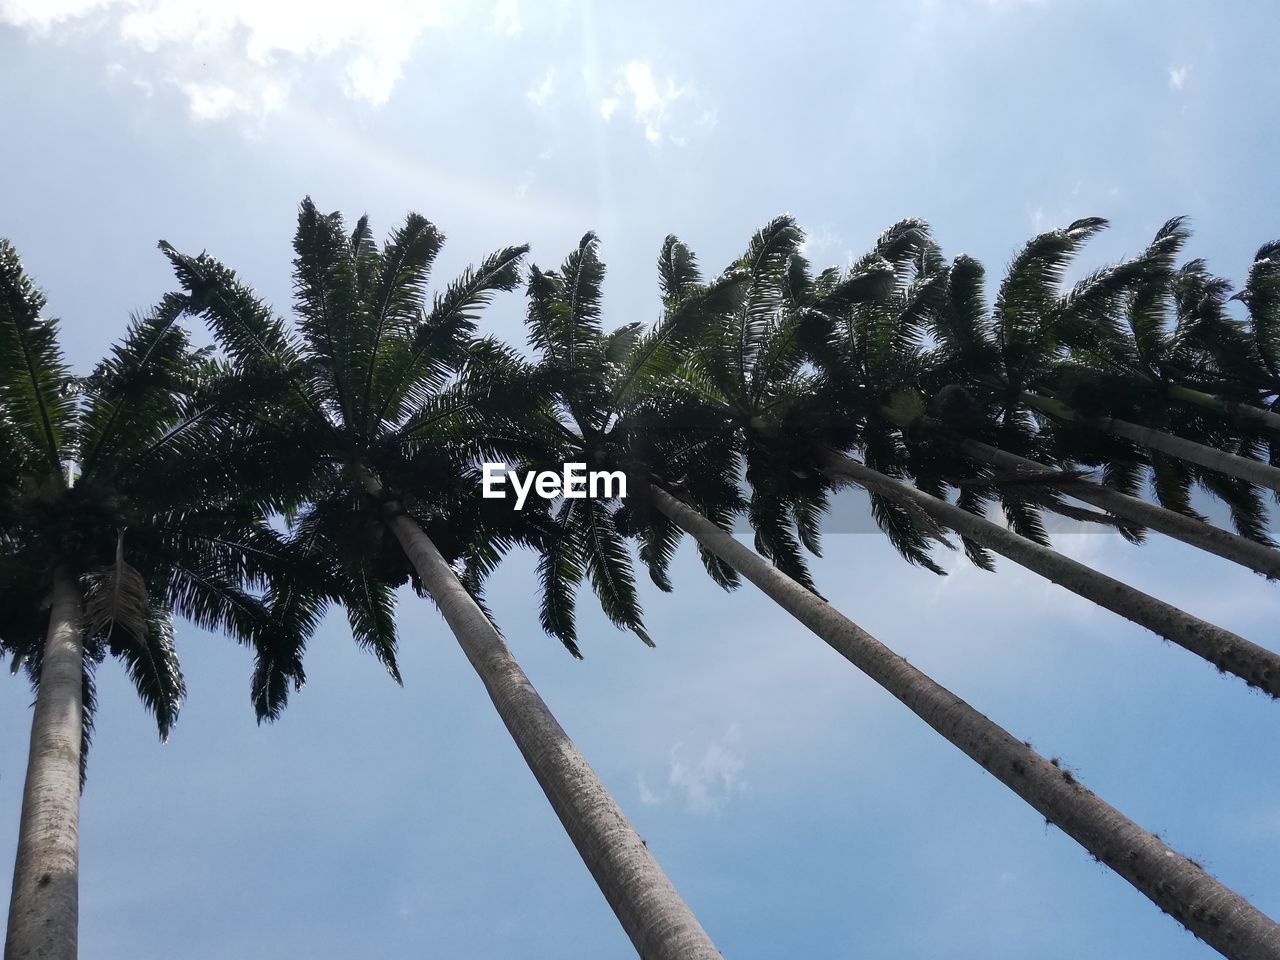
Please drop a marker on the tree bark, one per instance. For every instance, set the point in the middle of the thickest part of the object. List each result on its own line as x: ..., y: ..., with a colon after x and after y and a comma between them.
x: 1256, y: 665
x: 1178, y: 886
x: 661, y: 926
x: 44, y: 904
x: 1197, y: 533
x: 1211, y: 458
x: 1241, y: 412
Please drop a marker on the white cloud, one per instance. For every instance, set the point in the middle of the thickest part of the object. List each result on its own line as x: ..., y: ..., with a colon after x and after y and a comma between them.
x: 647, y: 796
x: 650, y: 105
x: 506, y: 17
x: 652, y: 101
x: 540, y: 94
x: 819, y: 241
x: 1177, y: 78
x: 41, y: 15
x: 252, y: 98
x: 211, y: 101
x: 703, y: 782
x: 244, y: 56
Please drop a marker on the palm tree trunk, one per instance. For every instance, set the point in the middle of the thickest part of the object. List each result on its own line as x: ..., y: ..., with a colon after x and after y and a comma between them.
x: 1211, y: 458
x: 44, y: 905
x: 661, y: 926
x: 1256, y: 665
x: 1197, y: 533
x: 1178, y: 886
x: 1242, y: 412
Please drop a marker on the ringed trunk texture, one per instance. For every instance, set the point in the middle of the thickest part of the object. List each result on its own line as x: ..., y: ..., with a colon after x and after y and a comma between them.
x: 1197, y: 533
x: 661, y: 926
x: 1217, y: 915
x: 1230, y: 653
x: 45, y: 902
x: 1211, y: 458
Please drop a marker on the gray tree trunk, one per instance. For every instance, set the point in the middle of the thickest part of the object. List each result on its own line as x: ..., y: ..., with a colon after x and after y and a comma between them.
x: 1197, y: 533
x: 1242, y: 412
x: 44, y: 905
x: 661, y: 926
x: 1256, y: 665
x: 1211, y: 458
x: 1178, y: 886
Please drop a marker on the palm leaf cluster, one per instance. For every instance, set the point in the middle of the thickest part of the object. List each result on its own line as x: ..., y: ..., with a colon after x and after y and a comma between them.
x: 897, y: 360
x: 125, y: 482
x: 338, y: 457
x: 377, y: 378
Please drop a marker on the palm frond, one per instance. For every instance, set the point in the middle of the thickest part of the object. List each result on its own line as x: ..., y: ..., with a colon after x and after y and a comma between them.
x: 36, y: 388
x: 608, y: 565
x: 151, y: 660
x: 560, y: 570
x: 677, y: 272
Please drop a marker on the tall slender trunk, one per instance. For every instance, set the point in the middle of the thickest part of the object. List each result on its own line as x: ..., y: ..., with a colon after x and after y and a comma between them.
x: 1211, y: 458
x: 1178, y: 886
x: 661, y: 926
x: 1256, y: 665
x: 1242, y: 412
x: 1197, y: 533
x: 44, y: 905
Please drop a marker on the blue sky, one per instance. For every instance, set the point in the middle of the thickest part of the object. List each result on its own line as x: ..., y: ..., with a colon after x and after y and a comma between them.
x: 799, y: 809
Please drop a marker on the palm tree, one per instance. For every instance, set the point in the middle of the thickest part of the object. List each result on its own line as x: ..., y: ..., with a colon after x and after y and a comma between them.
x: 1256, y: 665
x: 684, y: 465
x: 864, y: 334
x: 115, y: 516
x: 385, y: 404
x: 1176, y: 884
x: 869, y: 352
x: 983, y: 427
x: 1010, y: 468
x: 1204, y: 358
x: 1261, y: 297
x: 592, y: 380
x: 1100, y: 357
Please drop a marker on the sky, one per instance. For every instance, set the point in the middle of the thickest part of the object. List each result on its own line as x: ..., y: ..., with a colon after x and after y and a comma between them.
x: 799, y: 809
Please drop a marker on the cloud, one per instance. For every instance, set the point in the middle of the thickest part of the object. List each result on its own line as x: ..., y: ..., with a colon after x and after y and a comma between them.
x: 1177, y: 78
x: 245, y: 56
x: 819, y: 241
x: 540, y: 94
x: 652, y: 101
x: 506, y: 17
x: 42, y: 15
x: 703, y: 782
x: 212, y: 101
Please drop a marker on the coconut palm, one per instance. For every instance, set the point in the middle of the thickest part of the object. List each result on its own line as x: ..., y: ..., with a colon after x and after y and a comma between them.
x: 681, y: 452
x: 386, y: 403
x: 116, y: 515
